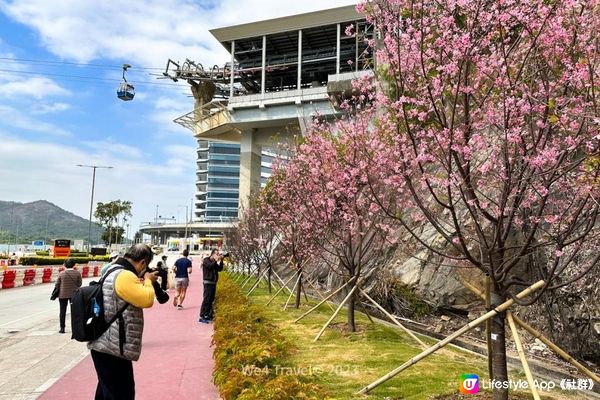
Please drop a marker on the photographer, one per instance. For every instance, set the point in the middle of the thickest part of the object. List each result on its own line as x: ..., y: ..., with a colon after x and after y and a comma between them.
x: 211, y: 266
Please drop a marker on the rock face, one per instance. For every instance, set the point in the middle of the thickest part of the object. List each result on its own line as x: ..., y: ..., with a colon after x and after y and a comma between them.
x: 431, y: 276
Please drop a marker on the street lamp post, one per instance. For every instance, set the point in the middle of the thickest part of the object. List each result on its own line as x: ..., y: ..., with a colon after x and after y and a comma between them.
x: 185, y: 235
x: 94, y: 167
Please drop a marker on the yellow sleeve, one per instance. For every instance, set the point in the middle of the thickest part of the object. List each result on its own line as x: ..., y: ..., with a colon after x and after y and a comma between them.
x: 130, y: 289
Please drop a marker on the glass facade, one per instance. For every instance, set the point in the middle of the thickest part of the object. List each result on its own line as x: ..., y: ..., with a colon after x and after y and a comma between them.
x: 218, y: 179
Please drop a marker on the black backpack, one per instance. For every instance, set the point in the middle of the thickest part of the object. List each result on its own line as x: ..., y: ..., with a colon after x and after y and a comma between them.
x: 87, y: 311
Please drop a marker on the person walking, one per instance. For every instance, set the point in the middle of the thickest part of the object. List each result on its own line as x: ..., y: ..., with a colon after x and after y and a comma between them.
x: 115, y: 350
x: 211, y: 266
x: 67, y: 283
x: 183, y: 269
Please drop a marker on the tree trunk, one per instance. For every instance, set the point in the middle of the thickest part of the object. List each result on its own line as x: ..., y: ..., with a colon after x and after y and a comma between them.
x: 351, y: 301
x: 299, y: 288
x: 269, y: 277
x: 500, y: 370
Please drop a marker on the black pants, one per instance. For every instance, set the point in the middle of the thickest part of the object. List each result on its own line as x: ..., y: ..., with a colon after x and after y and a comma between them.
x: 206, y: 311
x: 162, y: 273
x: 63, y: 311
x: 115, y: 377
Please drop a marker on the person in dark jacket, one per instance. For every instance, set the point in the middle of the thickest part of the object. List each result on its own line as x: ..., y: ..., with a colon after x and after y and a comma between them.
x: 67, y: 283
x: 163, y: 272
x: 211, y: 266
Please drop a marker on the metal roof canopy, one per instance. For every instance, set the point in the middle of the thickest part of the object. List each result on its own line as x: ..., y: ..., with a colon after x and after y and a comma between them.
x: 285, y: 24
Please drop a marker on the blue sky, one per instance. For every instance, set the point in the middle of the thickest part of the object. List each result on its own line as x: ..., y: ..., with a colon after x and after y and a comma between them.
x: 59, y: 69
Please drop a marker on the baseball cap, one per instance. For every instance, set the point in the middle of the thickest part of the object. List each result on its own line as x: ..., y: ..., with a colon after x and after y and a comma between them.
x: 113, y: 255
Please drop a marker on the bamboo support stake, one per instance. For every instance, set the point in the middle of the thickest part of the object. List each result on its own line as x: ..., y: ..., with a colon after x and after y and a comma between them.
x: 245, y: 282
x: 281, y: 280
x: 324, y: 300
x: 292, y: 292
x: 335, y: 313
x: 319, y: 293
x: 391, y: 317
x: 279, y: 291
x: 521, y: 351
x: 499, y: 309
x: 556, y: 349
x: 533, y: 332
x: 369, y: 316
x: 261, y: 277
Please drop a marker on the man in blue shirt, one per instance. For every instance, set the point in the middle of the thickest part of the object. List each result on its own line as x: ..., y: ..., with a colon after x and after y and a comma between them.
x: 183, y: 269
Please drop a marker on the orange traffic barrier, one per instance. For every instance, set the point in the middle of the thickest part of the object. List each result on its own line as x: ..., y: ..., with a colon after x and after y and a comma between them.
x: 29, y: 277
x: 8, y: 279
x: 47, y: 275
x: 96, y: 270
x: 85, y: 271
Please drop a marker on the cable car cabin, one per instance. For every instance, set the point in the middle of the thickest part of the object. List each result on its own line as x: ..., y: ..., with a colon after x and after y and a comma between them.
x: 125, y: 91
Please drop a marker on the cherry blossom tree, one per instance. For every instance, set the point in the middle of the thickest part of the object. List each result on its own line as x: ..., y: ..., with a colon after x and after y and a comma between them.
x: 326, y: 185
x: 489, y: 128
x: 260, y: 236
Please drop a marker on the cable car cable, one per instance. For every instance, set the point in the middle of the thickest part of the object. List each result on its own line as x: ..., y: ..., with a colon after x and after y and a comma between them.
x: 74, y: 63
x: 88, y: 78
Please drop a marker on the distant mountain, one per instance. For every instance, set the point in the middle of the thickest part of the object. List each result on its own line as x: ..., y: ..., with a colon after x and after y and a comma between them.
x: 41, y: 220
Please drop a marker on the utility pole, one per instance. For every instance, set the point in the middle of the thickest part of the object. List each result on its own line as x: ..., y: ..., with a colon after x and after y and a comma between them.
x: 94, y: 167
x: 186, y: 228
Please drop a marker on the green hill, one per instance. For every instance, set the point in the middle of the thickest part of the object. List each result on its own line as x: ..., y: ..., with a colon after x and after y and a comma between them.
x: 41, y: 220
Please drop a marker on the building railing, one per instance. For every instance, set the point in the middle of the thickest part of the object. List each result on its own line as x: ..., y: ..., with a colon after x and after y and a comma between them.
x: 206, y: 117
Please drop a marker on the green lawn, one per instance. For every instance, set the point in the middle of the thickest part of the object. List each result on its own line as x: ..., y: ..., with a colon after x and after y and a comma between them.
x: 343, y: 362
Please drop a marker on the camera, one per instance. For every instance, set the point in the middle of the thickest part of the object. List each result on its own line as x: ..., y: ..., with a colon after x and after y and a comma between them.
x: 160, y: 294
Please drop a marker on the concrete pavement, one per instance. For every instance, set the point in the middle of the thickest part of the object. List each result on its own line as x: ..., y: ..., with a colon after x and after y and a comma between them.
x: 176, y: 360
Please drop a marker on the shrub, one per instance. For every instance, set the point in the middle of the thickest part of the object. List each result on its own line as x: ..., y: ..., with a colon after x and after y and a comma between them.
x: 40, y: 260
x: 247, y: 347
x: 42, y: 253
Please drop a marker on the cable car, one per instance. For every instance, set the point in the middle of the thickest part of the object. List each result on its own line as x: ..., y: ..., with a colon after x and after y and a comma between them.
x: 125, y: 91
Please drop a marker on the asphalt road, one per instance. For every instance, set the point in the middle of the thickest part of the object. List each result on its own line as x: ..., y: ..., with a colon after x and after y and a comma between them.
x: 33, y: 355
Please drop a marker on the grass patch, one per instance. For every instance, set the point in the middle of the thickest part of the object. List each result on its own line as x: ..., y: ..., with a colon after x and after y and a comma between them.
x: 343, y: 362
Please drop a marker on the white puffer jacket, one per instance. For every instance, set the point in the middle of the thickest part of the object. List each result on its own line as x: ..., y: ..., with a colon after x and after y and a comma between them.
x: 133, y: 321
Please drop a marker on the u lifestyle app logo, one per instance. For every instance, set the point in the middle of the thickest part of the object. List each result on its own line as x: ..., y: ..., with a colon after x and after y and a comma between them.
x: 469, y: 384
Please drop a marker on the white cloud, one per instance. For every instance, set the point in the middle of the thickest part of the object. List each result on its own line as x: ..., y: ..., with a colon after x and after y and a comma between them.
x: 145, y: 32
x: 110, y: 147
x: 16, y: 118
x: 51, y: 108
x: 35, y: 87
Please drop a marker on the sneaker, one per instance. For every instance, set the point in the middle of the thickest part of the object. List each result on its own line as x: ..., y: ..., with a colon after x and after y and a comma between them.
x: 179, y: 307
x: 203, y: 321
x: 62, y: 330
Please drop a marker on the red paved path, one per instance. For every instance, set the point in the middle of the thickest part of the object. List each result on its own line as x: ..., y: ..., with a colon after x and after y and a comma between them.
x: 176, y: 360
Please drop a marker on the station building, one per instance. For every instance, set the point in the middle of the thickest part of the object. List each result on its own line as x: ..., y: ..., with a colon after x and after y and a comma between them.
x: 282, y: 73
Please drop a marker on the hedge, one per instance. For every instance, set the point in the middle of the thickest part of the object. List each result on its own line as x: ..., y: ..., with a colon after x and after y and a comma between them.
x: 247, y: 347
x: 58, y: 260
